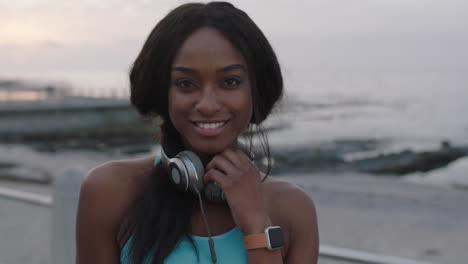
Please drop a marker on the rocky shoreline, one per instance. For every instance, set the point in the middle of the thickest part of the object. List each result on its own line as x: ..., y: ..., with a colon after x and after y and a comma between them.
x: 307, y: 160
x: 363, y: 158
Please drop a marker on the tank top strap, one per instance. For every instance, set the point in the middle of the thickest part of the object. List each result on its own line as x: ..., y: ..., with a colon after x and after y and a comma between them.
x: 157, y: 159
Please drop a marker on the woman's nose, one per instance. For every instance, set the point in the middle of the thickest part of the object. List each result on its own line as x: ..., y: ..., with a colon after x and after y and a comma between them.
x: 208, y: 103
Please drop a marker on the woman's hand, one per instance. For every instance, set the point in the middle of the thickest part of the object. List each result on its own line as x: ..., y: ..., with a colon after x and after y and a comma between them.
x: 240, y: 181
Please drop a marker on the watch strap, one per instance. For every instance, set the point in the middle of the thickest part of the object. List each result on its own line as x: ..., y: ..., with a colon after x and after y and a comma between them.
x: 255, y: 241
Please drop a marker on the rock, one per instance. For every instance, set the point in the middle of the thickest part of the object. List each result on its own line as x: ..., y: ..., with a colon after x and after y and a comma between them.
x: 454, y: 175
x: 409, y: 161
x: 304, y: 160
x: 7, y: 165
x: 332, y: 157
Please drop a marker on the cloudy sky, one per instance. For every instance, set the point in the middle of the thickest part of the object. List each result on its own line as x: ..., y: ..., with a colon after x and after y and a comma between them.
x: 66, y: 39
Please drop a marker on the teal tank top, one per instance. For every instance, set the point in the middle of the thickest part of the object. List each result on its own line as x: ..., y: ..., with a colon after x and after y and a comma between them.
x: 229, y: 250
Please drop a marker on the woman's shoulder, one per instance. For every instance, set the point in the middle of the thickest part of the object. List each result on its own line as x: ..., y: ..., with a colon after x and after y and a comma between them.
x: 128, y: 169
x: 289, y: 203
x: 111, y: 188
x: 294, y: 210
x: 279, y: 190
x: 106, y: 193
x: 118, y: 177
x: 288, y: 200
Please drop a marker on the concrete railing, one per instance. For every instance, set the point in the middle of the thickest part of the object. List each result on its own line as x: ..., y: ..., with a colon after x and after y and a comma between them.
x: 355, y: 256
x: 64, y: 208
x: 64, y: 205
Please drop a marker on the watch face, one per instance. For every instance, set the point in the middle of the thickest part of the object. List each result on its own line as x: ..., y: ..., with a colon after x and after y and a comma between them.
x: 276, y: 237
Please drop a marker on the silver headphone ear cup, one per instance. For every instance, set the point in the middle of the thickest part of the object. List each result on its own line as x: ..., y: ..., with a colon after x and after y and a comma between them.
x: 195, y: 169
x: 178, y: 173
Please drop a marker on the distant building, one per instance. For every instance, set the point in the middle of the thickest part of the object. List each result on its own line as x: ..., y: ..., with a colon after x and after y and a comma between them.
x: 23, y: 91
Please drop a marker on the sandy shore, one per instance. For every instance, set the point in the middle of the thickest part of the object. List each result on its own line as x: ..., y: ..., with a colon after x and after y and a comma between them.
x: 361, y: 212
x: 387, y: 216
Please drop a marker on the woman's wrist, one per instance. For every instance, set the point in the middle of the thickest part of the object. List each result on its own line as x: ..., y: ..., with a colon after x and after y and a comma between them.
x: 257, y: 226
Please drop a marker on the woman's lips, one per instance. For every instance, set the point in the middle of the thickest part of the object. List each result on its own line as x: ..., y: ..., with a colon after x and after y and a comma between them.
x: 209, y: 129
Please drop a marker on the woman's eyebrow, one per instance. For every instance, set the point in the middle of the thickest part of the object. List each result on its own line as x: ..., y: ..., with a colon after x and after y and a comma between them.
x: 224, y: 69
x: 184, y: 69
x: 232, y: 67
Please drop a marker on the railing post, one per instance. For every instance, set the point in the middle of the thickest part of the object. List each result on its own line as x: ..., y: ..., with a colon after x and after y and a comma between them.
x: 66, y: 194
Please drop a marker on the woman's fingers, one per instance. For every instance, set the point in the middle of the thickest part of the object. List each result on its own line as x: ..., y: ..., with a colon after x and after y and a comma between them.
x: 243, y: 157
x: 236, y: 157
x: 233, y: 164
x: 233, y: 156
x: 239, y: 179
x: 220, y: 164
x: 218, y: 177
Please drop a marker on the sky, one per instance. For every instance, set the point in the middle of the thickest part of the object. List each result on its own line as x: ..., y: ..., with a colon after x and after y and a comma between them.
x: 74, y: 39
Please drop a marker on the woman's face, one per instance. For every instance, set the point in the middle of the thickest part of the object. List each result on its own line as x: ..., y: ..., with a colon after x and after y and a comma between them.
x: 210, y: 101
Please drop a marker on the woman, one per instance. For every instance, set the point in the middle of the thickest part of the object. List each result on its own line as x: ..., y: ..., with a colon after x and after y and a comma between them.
x: 210, y: 74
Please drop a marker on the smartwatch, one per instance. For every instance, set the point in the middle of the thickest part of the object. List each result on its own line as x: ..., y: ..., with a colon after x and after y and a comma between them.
x: 271, y: 239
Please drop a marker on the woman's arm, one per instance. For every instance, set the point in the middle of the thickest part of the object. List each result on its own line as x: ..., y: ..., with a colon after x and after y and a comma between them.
x: 240, y: 181
x: 304, y: 237
x: 103, y: 199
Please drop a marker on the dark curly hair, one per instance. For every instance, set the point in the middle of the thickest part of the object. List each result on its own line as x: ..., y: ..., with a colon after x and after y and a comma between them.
x: 153, y: 218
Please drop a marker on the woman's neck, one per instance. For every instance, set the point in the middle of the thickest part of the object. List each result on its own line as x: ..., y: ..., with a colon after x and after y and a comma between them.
x: 219, y: 219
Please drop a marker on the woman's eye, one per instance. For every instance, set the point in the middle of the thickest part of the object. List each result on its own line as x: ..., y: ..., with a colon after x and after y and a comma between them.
x: 184, y: 84
x: 231, y: 82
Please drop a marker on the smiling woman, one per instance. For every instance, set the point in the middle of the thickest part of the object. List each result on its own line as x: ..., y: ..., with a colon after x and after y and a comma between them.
x: 210, y: 102
x: 210, y: 74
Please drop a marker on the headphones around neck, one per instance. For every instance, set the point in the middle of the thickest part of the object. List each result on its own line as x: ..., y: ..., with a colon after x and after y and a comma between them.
x: 187, y: 172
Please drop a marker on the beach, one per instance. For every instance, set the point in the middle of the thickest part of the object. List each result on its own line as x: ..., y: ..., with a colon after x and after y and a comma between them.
x: 376, y: 214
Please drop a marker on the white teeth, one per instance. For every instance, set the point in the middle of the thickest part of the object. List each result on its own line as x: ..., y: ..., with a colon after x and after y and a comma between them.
x: 210, y: 125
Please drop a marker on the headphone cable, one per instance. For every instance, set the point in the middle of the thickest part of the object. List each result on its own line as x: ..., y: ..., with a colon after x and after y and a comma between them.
x: 210, y: 240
